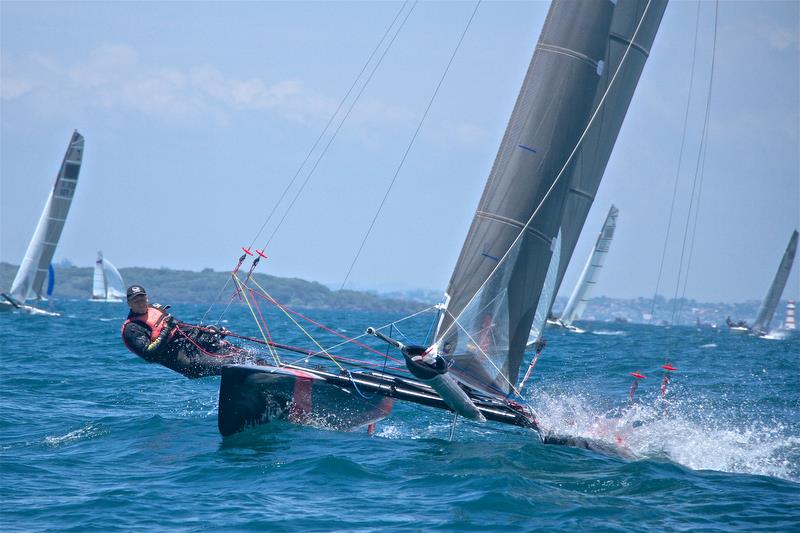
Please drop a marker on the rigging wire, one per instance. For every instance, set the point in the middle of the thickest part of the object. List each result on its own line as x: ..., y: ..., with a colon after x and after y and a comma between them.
x: 693, y: 234
x: 560, y: 172
x: 322, y: 134
x: 331, y: 119
x: 680, y: 160
x: 697, y: 173
x: 338, y: 127
x: 394, y: 323
x: 410, y: 145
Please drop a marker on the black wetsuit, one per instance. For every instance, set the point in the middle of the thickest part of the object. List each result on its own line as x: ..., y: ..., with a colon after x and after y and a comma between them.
x: 184, y: 352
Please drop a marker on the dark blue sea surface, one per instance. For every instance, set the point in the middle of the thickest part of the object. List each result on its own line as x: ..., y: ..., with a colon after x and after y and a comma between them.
x: 93, y: 438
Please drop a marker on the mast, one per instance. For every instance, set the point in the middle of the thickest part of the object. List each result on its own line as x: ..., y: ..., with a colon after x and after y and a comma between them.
x: 33, y: 268
x: 98, y: 280
x: 580, y: 295
x: 771, y: 300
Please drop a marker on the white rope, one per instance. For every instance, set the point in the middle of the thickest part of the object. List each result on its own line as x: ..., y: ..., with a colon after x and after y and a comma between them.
x: 680, y: 162
x: 698, y: 170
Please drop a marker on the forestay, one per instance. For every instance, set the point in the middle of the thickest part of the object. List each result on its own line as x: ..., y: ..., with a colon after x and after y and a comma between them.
x: 33, y: 268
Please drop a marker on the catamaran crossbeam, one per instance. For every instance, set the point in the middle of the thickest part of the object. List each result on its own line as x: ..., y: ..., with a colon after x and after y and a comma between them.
x: 432, y: 370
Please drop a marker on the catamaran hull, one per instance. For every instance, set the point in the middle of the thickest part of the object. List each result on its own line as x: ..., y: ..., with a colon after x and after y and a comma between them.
x: 253, y: 395
x: 250, y: 395
x: 568, y: 327
x: 595, y: 445
x: 26, y: 309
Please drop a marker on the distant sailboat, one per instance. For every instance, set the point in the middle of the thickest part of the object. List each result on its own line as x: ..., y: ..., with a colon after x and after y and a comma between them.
x: 767, y: 310
x: 107, y: 285
x: 583, y: 289
x: 35, y: 265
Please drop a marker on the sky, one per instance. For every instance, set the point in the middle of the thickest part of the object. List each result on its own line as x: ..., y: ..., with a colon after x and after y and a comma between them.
x: 197, y: 115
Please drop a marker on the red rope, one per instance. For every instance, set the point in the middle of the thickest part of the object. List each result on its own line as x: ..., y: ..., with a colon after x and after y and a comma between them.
x: 217, y: 355
x: 276, y: 345
x: 345, y: 337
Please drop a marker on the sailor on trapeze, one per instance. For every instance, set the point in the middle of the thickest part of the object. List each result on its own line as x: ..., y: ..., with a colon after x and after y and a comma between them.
x: 155, y: 336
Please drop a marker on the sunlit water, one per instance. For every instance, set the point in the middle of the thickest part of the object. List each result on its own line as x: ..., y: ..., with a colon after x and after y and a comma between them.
x: 94, y: 438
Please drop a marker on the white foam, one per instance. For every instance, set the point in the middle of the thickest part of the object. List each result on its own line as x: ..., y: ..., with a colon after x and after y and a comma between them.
x: 692, y: 434
x: 777, y: 335
x: 86, y: 432
x: 607, y: 332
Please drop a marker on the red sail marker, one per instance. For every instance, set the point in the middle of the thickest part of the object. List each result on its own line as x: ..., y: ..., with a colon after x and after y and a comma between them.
x: 636, y: 377
x: 665, y: 380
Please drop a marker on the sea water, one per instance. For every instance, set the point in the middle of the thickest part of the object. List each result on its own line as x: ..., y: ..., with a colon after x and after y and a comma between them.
x: 94, y: 438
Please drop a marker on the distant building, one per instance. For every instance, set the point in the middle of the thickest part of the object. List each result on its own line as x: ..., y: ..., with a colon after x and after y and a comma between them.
x: 789, y: 323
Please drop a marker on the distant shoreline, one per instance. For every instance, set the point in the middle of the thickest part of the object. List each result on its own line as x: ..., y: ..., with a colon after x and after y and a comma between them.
x: 187, y: 286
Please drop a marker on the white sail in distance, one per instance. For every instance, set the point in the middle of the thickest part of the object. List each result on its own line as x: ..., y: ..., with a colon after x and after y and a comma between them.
x: 771, y: 300
x: 591, y: 271
x: 33, y: 269
x: 107, y: 284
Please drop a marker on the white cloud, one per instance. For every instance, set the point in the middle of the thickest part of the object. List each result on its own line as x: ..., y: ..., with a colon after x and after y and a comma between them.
x: 778, y: 37
x: 115, y: 77
x: 12, y: 87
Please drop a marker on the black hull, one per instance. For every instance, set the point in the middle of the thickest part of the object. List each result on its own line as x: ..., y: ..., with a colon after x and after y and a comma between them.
x: 252, y: 395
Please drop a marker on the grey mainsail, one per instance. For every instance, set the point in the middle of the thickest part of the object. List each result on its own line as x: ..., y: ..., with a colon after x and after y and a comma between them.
x: 593, y: 155
x: 580, y: 295
x: 770, y: 303
x: 32, y: 270
x: 500, y: 283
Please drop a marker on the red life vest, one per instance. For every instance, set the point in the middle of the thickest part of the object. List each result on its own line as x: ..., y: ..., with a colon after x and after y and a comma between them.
x: 153, y: 319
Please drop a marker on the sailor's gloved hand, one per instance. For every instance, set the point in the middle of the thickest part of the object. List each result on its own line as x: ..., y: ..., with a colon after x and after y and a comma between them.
x: 170, y: 322
x: 223, y: 331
